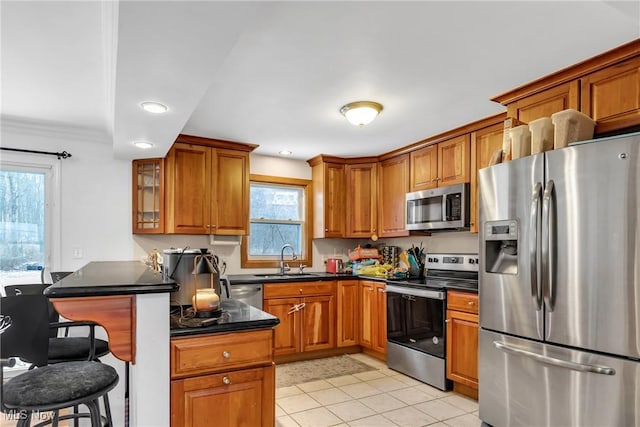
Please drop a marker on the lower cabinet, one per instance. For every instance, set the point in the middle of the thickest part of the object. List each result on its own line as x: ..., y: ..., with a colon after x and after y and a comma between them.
x: 373, y: 310
x: 225, y: 380
x: 307, y: 313
x: 462, y: 342
x: 348, y: 326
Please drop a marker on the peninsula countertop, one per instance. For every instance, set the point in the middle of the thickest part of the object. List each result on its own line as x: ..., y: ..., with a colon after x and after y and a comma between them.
x: 105, y: 278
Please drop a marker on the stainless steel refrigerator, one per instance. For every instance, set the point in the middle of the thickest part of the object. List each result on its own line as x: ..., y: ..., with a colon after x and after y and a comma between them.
x: 559, y: 287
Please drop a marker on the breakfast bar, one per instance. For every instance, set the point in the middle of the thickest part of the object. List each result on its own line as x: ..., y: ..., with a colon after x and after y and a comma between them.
x: 163, y: 352
x: 126, y: 297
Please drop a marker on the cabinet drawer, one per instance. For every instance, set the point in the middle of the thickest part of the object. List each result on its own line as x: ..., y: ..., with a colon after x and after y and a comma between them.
x: 462, y: 301
x: 215, y: 353
x: 281, y: 290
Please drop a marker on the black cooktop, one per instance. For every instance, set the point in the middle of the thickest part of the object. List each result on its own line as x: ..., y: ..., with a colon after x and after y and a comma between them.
x: 442, y: 279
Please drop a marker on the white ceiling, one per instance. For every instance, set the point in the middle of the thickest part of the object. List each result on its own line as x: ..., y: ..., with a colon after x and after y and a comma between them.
x: 276, y: 73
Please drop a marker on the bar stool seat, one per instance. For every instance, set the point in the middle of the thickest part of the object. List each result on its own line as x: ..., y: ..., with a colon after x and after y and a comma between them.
x: 56, y: 386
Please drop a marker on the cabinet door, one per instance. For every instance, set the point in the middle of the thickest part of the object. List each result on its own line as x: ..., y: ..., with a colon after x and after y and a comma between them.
x: 287, y: 333
x: 424, y: 168
x: 189, y: 189
x: 361, y: 200
x: 238, y: 398
x: 318, y: 318
x: 462, y: 348
x: 231, y: 194
x: 612, y: 96
x: 545, y: 103
x: 453, y: 161
x: 367, y: 307
x: 347, y: 313
x: 484, y: 143
x: 148, y: 196
x: 380, y: 319
x: 393, y: 184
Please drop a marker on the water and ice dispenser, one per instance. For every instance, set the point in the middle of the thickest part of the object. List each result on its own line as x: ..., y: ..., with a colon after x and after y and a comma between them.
x: 501, y: 246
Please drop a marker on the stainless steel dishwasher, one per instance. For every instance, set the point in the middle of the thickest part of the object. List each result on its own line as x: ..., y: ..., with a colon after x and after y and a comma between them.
x: 251, y: 293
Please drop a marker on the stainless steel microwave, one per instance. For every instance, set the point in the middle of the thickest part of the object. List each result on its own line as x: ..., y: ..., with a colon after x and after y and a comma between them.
x: 442, y: 208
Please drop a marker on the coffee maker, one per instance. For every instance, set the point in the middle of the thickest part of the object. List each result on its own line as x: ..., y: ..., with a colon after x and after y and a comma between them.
x: 192, y: 269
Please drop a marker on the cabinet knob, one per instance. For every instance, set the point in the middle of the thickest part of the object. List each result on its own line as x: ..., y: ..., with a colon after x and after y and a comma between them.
x: 380, y: 290
x: 226, y: 354
x: 300, y: 290
x: 471, y: 302
x: 326, y: 230
x: 226, y: 380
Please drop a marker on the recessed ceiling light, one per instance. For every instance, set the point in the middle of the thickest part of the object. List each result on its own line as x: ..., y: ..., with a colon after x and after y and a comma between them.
x: 285, y: 153
x: 143, y: 144
x: 154, y: 107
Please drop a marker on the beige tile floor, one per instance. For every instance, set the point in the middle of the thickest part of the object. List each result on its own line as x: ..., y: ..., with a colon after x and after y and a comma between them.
x: 381, y: 397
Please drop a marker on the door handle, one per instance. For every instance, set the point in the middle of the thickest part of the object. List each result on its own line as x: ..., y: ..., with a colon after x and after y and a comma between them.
x: 534, y: 255
x: 548, y: 249
x: 552, y: 361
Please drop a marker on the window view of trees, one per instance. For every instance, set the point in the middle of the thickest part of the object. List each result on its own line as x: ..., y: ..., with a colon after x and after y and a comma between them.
x: 277, y: 215
x: 22, y: 221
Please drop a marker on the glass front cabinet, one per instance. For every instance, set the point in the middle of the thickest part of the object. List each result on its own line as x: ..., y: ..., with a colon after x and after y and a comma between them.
x: 148, y: 196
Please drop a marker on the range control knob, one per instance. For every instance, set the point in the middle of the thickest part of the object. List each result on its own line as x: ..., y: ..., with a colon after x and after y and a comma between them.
x: 472, y: 261
x: 477, y: 261
x: 430, y: 259
x: 435, y: 260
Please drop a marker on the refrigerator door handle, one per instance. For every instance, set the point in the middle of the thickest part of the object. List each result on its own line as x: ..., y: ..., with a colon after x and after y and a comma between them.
x: 548, y: 249
x: 534, y: 244
x: 552, y: 361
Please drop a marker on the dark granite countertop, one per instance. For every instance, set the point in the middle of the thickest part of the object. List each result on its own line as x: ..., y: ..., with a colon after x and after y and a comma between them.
x: 241, y: 279
x: 106, y: 278
x: 236, y: 316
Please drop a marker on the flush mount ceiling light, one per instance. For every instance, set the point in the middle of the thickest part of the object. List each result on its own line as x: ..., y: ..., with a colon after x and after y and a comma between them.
x: 154, y: 107
x: 361, y: 113
x: 285, y: 152
x: 143, y: 144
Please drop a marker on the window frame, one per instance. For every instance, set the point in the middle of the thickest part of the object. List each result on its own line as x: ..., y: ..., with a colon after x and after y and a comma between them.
x: 51, y: 169
x: 305, y: 184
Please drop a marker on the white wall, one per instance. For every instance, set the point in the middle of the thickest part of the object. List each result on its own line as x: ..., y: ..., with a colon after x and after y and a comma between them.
x: 95, y: 197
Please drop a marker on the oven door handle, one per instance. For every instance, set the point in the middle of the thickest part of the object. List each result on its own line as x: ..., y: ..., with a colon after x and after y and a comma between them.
x: 440, y: 295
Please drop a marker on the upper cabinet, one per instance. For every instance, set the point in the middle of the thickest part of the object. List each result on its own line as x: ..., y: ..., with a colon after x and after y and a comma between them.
x: 361, y: 199
x: 328, y: 196
x: 484, y: 142
x: 545, y: 103
x: 207, y: 187
x: 148, y: 196
x: 605, y: 87
x: 393, y: 184
x: 441, y: 164
x: 612, y: 96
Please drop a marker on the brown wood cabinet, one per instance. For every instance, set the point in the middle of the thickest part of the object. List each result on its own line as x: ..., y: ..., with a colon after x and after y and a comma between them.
x: 148, y: 196
x: 612, y: 96
x: 361, y: 199
x: 373, y: 315
x: 229, y: 378
x: 329, y: 194
x: 545, y: 103
x: 207, y: 189
x: 462, y: 341
x: 484, y: 142
x: 424, y: 168
x: 348, y: 320
x: 393, y: 184
x: 307, y: 313
x: 453, y: 161
x: 606, y: 87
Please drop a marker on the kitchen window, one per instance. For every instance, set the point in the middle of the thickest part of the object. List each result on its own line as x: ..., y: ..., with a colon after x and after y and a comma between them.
x: 279, y: 214
x: 28, y: 208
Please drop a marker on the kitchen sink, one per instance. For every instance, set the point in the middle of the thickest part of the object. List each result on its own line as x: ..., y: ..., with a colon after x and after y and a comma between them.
x: 284, y: 276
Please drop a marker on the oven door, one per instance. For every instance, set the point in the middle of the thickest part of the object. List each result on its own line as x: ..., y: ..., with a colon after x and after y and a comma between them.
x: 416, y: 318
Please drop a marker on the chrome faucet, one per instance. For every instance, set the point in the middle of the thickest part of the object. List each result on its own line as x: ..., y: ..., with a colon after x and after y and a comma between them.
x: 284, y: 267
